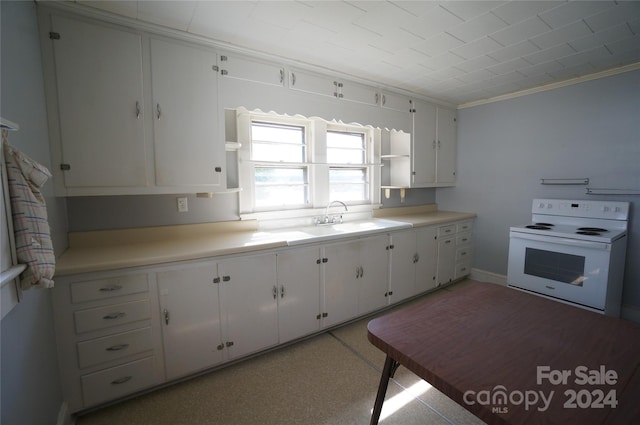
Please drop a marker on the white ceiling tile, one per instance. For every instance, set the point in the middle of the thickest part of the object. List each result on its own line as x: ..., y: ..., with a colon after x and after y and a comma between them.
x: 630, y: 43
x: 541, y: 68
x: 479, y: 62
x: 550, y: 54
x: 501, y: 89
x: 562, y: 35
x: 623, y: 11
x: 521, y: 31
x: 470, y: 9
x: 535, y: 81
x: 601, y: 62
x: 432, y: 22
x: 416, y: 8
x: 584, y: 56
x: 442, y: 61
x: 573, y: 11
x: 446, y: 73
x: 634, y: 26
x: 478, y: 75
x: 220, y: 18
x: 333, y: 15
x: 515, y: 11
x: 437, y: 44
x: 477, y: 48
x: 124, y: 8
x: 380, y: 18
x: 509, y: 66
x: 477, y: 27
x: 285, y: 14
x: 514, y: 51
x: 609, y: 35
x: 573, y: 71
x: 174, y: 14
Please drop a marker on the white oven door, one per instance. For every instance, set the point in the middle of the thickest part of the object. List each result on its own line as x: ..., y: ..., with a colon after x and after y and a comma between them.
x: 568, y: 269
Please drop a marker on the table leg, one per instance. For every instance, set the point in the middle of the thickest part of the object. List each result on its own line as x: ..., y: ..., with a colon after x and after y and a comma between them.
x: 390, y: 367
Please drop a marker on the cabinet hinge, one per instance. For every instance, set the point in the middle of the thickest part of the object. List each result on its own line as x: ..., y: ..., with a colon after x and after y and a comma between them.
x: 215, y: 68
x: 318, y: 316
x: 226, y: 278
x: 65, y: 167
x: 325, y: 260
x: 216, y: 280
x: 223, y: 58
x: 318, y: 261
x: 325, y: 314
x: 54, y: 35
x: 218, y: 169
x: 224, y: 72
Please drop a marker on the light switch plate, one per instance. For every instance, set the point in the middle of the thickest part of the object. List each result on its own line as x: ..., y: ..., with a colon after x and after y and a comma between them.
x: 183, y: 206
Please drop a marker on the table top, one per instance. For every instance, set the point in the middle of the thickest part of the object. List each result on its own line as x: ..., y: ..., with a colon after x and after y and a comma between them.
x: 510, y: 357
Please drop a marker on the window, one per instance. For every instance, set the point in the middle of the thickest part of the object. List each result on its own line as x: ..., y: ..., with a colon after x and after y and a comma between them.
x: 348, y: 174
x: 299, y: 164
x: 278, y: 152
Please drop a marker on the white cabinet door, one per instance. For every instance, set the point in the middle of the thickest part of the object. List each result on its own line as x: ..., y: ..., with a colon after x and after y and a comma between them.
x: 395, y: 102
x: 309, y: 82
x: 341, y: 273
x: 298, y: 292
x: 446, y: 130
x: 100, y: 104
x: 424, y: 145
x: 427, y: 259
x: 358, y: 93
x: 249, y: 303
x: 446, y: 258
x: 249, y: 69
x: 403, y: 265
x: 188, y: 148
x: 374, y: 274
x: 191, y: 328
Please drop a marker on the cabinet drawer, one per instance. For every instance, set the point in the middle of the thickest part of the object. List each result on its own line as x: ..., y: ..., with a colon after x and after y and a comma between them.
x: 117, y: 381
x: 463, y: 239
x: 462, y: 269
x: 463, y: 254
x: 109, y: 287
x: 113, y: 347
x: 111, y: 315
x: 464, y: 227
x: 447, y: 230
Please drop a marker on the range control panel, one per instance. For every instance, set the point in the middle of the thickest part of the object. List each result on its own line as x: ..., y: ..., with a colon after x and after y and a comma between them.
x: 612, y: 210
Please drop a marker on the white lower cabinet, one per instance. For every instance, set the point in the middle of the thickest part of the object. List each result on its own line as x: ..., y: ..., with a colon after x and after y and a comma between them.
x: 121, y: 332
x: 217, y: 311
x: 355, y: 278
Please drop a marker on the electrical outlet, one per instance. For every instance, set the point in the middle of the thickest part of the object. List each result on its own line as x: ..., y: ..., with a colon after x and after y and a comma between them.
x: 183, y: 206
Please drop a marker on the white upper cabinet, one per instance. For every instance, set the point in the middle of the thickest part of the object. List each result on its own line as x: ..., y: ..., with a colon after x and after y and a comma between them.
x: 359, y: 93
x: 424, y: 145
x: 310, y: 82
x: 188, y: 152
x: 446, y: 147
x: 395, y: 102
x: 101, y: 138
x: 249, y: 69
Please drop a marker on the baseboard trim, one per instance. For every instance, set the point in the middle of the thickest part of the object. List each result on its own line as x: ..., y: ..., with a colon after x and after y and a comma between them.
x: 630, y: 312
x: 64, y: 416
x: 486, y: 276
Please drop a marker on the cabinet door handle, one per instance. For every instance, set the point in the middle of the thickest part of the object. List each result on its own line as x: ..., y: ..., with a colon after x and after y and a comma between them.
x: 114, y: 316
x: 118, y: 347
x: 165, y: 313
x: 110, y: 288
x: 274, y: 291
x: 293, y: 79
x: 137, y: 109
x: 121, y: 380
x: 158, y: 111
x: 361, y: 271
x: 281, y: 76
x: 282, y: 291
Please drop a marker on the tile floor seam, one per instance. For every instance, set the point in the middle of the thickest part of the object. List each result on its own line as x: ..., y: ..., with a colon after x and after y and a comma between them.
x: 379, y: 370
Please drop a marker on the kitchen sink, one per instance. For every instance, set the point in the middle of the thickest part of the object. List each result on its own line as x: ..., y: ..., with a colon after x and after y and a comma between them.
x: 333, y: 231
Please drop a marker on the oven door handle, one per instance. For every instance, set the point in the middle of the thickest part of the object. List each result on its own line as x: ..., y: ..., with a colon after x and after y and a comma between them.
x: 562, y: 241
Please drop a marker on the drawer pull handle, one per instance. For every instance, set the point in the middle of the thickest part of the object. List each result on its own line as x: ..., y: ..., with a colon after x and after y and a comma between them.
x: 110, y: 288
x: 114, y: 316
x: 121, y: 380
x: 117, y: 347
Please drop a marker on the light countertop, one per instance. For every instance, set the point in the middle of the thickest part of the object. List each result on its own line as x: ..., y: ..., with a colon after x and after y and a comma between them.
x: 115, y: 249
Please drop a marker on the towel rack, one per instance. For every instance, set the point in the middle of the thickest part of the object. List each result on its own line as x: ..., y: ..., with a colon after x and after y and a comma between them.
x: 578, y: 181
x: 603, y: 191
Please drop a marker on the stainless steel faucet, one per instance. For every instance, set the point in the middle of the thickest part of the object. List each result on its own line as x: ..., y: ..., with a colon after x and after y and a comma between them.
x: 326, y: 219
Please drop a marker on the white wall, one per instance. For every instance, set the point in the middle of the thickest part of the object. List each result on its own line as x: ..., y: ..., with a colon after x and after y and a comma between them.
x: 591, y: 129
x: 30, y: 385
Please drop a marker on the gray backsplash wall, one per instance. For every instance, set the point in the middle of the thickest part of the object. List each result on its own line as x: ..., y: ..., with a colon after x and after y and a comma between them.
x: 591, y: 129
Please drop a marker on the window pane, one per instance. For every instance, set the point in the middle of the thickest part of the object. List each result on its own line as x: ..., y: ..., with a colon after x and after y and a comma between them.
x: 277, y: 143
x: 280, y: 186
x: 345, y: 148
x: 348, y: 184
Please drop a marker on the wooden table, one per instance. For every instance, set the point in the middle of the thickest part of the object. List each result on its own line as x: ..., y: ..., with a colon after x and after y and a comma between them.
x: 491, y: 348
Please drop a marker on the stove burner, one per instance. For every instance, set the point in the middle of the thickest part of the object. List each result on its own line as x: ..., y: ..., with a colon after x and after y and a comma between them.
x: 592, y: 229
x: 588, y: 232
x: 538, y: 227
x: 544, y: 224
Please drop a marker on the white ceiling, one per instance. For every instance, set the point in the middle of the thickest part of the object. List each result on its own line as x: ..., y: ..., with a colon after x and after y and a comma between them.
x: 456, y: 51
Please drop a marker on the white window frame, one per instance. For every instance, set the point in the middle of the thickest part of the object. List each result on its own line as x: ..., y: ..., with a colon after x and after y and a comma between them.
x: 318, y: 168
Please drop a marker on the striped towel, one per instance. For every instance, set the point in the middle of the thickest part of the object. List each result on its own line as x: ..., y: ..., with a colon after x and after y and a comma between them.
x: 25, y: 177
